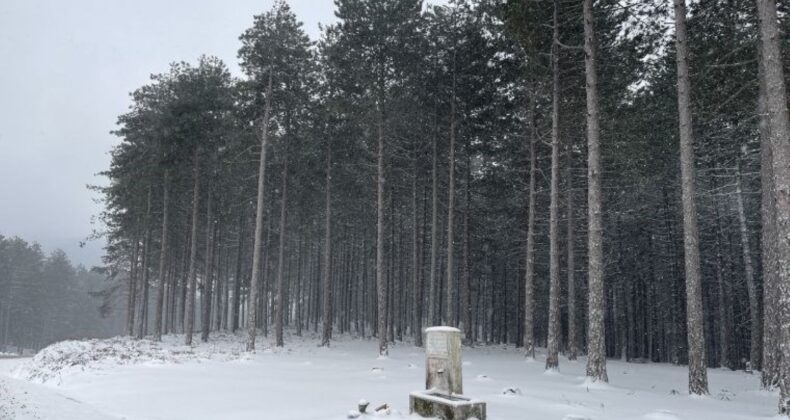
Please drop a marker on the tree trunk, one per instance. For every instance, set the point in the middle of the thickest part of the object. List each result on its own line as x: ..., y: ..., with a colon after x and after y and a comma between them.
x: 771, y: 333
x: 143, y: 318
x: 451, y: 318
x: 433, y: 318
x: 465, y: 304
x: 529, y: 272
x: 208, y: 272
x: 720, y: 280
x: 698, y: 377
x: 258, y: 247
x: 596, y: 350
x: 756, y: 331
x: 326, y: 333
x: 279, y: 303
x: 190, y: 298
x: 381, y: 281
x: 572, y: 345
x: 221, y: 319
x: 779, y: 128
x: 160, y: 291
x: 132, y: 297
x: 415, y: 259
x: 552, y: 350
x: 395, y: 264
x: 236, y: 302
x: 300, y: 298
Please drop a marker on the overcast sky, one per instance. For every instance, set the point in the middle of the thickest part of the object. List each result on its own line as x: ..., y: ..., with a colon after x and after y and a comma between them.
x: 66, y: 68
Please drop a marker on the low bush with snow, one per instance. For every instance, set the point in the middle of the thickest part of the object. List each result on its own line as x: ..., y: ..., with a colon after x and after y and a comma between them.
x: 68, y: 356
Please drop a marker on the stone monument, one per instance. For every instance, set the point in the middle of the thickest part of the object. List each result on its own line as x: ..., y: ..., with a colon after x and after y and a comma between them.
x: 443, y: 396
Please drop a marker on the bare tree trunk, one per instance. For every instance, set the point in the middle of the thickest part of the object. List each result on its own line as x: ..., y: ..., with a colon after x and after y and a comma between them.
x: 326, y: 333
x: 143, y: 318
x: 552, y: 351
x: 267, y: 288
x: 236, y: 302
x: 433, y: 313
x: 779, y: 128
x: 572, y: 344
x: 465, y: 305
x: 415, y: 260
x: 698, y: 377
x: 132, y: 298
x: 279, y: 302
x: 190, y: 298
x: 208, y: 273
x: 252, y: 309
x: 181, y: 292
x: 160, y: 292
x: 756, y: 332
x: 722, y: 298
x: 529, y: 272
x: 221, y: 319
x: 300, y: 298
x: 771, y: 332
x: 722, y: 310
x: 381, y: 281
x: 596, y: 348
x: 395, y: 273
x: 451, y: 318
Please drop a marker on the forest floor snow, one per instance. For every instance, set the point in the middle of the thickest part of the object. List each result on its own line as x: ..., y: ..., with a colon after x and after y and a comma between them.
x: 129, y: 379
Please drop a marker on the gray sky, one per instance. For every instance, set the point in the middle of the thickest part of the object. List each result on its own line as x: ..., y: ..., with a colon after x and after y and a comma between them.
x: 66, y: 68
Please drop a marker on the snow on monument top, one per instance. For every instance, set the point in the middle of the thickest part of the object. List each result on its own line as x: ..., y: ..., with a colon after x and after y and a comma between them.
x: 442, y: 329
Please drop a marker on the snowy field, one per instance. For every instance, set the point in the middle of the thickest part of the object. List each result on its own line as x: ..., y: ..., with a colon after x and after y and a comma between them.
x: 136, y: 380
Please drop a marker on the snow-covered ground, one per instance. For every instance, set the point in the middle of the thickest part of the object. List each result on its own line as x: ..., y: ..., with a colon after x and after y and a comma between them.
x: 123, y: 379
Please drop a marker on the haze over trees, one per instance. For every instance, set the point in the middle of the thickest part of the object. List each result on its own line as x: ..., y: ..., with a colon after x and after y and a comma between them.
x: 44, y: 299
x: 490, y: 165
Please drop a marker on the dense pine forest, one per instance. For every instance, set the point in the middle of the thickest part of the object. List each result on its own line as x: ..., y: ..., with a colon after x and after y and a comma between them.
x: 602, y: 178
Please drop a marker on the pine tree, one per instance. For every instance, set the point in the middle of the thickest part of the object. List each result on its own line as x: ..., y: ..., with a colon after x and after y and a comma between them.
x: 698, y: 377
x: 596, y: 354
x: 552, y: 357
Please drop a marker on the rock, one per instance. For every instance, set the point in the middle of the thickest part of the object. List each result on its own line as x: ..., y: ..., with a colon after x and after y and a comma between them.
x: 363, y: 406
x: 511, y: 391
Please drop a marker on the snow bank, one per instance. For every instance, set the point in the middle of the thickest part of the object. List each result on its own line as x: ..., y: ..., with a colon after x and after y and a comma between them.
x: 67, y: 357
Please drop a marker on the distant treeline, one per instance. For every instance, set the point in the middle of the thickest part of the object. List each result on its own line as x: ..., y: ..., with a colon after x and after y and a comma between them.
x: 44, y: 299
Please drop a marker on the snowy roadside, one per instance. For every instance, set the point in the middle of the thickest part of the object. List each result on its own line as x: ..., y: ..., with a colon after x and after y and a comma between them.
x: 20, y: 400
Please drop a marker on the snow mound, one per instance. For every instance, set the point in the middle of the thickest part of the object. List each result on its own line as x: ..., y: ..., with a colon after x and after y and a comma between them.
x: 71, y: 356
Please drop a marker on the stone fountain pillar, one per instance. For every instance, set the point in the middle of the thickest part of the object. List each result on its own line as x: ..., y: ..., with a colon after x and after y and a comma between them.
x: 443, y: 395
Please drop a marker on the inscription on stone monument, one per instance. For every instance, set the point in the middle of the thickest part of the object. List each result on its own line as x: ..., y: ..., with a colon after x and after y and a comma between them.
x: 436, y: 345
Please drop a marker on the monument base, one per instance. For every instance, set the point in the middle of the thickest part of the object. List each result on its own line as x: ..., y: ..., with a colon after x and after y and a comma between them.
x: 446, y: 407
